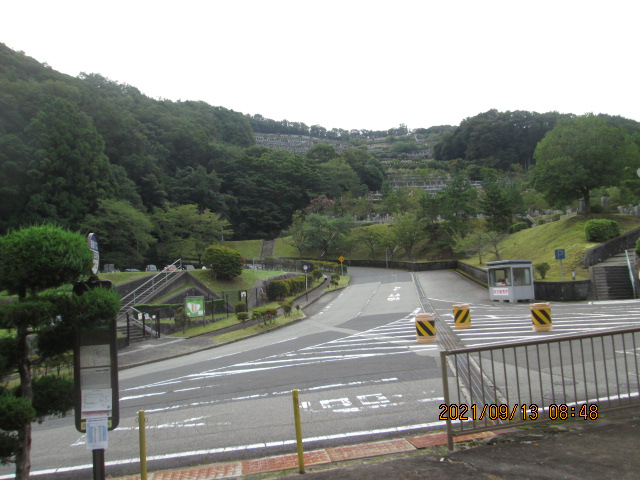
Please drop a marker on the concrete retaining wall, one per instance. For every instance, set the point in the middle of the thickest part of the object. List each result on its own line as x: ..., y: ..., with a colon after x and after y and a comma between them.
x: 610, y: 248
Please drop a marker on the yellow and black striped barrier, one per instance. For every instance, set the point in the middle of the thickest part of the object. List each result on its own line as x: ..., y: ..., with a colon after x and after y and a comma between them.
x: 541, y: 317
x: 426, y: 327
x: 461, y: 316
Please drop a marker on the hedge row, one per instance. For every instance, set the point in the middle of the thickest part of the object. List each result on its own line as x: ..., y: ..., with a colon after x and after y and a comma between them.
x: 280, y: 289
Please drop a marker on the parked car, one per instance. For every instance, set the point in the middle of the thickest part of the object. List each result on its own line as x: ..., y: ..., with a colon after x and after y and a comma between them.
x: 151, y: 268
x: 170, y: 268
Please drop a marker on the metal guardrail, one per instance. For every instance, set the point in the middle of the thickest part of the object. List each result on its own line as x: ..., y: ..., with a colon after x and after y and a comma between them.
x: 632, y: 271
x: 553, y: 379
x: 147, y: 288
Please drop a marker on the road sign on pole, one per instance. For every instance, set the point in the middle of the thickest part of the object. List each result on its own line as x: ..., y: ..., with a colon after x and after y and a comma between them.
x: 560, y: 255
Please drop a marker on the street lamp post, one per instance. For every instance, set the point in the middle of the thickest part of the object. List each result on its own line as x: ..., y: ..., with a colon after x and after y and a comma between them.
x: 306, y: 284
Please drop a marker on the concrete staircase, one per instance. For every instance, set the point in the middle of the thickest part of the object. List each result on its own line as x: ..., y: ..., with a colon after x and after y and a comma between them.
x: 142, y: 292
x: 267, y: 248
x: 135, y: 333
x: 612, y: 279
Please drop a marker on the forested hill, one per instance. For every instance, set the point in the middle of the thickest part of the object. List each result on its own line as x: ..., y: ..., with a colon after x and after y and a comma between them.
x: 76, y: 150
x: 501, y: 140
x: 69, y: 144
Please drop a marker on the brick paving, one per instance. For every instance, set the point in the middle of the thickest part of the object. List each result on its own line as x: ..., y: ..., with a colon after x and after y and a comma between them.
x: 283, y: 462
x: 315, y: 457
x: 220, y: 470
x: 365, y: 450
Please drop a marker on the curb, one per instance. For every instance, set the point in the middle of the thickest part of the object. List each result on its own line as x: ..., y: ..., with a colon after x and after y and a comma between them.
x: 331, y: 456
x: 178, y: 355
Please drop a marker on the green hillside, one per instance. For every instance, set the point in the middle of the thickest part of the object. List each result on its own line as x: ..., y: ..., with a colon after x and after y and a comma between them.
x: 539, y: 244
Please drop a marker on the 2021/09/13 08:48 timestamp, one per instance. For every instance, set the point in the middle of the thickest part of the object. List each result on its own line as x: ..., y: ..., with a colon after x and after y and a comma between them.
x: 517, y: 412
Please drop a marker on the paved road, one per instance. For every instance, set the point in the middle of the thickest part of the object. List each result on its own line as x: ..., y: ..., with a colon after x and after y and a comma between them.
x: 360, y: 373
x: 499, y: 322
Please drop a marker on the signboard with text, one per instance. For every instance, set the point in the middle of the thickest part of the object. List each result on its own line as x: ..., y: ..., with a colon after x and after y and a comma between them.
x: 96, y: 377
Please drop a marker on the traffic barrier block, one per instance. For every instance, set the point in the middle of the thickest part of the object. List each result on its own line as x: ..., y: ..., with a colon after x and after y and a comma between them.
x: 426, y: 327
x: 461, y: 316
x: 541, y: 317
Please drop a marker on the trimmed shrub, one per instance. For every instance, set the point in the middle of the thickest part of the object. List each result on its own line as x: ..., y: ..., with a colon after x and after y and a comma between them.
x: 277, y: 290
x: 224, y: 262
x: 542, y: 269
x: 296, y: 284
x: 264, y: 314
x: 240, y: 307
x: 601, y: 230
x: 287, y: 307
x: 182, y: 320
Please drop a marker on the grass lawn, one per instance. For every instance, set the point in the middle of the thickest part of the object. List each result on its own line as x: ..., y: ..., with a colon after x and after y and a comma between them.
x: 123, y: 277
x: 539, y: 244
x: 245, y: 281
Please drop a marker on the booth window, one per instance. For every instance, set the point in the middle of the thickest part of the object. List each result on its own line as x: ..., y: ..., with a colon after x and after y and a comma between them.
x: 499, y: 277
x: 522, y: 276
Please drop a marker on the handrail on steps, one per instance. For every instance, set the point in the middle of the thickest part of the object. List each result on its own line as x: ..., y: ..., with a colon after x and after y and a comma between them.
x: 632, y: 272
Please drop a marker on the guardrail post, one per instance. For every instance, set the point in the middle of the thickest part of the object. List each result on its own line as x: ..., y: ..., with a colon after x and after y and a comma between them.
x: 143, y: 445
x: 445, y: 391
x: 128, y: 330
x: 296, y: 416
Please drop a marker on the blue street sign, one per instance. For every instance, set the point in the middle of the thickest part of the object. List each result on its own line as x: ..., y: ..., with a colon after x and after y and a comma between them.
x: 560, y: 254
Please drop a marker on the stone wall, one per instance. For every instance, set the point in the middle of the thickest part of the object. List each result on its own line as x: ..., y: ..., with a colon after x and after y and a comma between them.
x: 611, y: 247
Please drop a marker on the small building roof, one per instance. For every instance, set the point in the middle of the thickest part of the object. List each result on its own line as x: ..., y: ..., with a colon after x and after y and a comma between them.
x: 500, y: 263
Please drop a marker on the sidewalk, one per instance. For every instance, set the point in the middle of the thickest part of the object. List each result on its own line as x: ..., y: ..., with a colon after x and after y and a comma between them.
x: 572, y: 449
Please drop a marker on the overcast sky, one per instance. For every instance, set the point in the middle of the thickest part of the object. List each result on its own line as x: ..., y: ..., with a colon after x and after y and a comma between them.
x: 348, y: 64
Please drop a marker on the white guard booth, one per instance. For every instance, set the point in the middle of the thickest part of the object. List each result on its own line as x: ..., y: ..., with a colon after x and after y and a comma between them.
x: 511, y: 280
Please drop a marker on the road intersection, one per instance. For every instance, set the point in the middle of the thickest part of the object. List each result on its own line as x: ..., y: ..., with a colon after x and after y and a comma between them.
x: 355, y: 360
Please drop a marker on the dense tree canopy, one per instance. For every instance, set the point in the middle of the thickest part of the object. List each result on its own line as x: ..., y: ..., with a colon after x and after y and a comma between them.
x: 71, y: 147
x: 78, y: 151
x: 225, y: 263
x: 500, y: 201
x: 497, y: 139
x: 33, y: 260
x: 581, y: 154
x: 125, y: 234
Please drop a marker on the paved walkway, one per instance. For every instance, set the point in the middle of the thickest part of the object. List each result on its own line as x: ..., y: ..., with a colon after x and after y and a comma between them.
x: 576, y: 449
x: 605, y: 448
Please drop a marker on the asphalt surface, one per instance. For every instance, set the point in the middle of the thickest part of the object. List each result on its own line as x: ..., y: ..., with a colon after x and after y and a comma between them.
x: 605, y: 448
